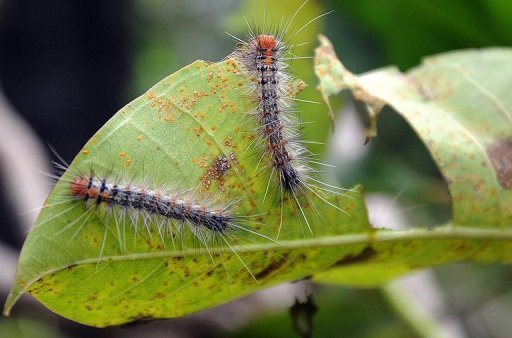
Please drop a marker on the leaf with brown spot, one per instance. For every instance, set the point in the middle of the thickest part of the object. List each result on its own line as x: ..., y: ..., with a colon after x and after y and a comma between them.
x: 460, y: 106
x: 500, y: 154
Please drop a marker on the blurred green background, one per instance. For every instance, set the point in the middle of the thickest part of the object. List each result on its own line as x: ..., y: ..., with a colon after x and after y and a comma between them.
x: 66, y: 67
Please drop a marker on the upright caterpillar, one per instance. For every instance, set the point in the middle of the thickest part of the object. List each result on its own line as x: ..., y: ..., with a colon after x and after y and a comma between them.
x: 264, y: 58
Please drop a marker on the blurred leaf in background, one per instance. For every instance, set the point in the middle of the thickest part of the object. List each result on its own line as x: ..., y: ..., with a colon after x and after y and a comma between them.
x: 373, y: 33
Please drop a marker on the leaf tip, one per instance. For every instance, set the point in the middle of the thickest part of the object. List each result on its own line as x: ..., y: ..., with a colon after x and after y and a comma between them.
x: 9, y: 303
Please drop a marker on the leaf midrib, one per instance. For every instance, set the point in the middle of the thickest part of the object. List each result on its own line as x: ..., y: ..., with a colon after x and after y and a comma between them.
x: 449, y: 231
x: 372, y: 237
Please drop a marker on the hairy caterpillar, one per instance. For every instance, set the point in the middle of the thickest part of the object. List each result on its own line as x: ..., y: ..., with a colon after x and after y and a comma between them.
x: 264, y: 56
x: 95, y: 191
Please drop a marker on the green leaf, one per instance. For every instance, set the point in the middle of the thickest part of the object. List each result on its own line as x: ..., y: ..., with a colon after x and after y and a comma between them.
x: 460, y: 106
x: 99, y: 271
x: 95, y: 271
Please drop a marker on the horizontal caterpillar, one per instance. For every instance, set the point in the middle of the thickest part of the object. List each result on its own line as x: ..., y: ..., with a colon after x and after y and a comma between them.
x: 95, y: 191
x: 205, y: 221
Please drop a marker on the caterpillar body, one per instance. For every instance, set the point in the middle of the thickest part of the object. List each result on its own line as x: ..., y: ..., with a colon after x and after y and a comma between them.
x: 264, y: 58
x: 94, y: 191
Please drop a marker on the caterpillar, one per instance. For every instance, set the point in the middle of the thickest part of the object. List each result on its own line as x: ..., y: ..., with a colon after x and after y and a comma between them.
x: 264, y: 57
x: 94, y: 191
x: 168, y: 211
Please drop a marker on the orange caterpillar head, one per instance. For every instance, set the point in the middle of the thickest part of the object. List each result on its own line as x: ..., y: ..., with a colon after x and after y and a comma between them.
x: 78, y: 186
x: 266, y: 42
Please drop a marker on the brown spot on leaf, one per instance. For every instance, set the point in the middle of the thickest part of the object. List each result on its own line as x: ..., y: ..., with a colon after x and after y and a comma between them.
x: 159, y: 295
x: 72, y: 266
x: 366, y: 254
x: 500, y: 154
x: 217, y: 170
x: 273, y: 266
